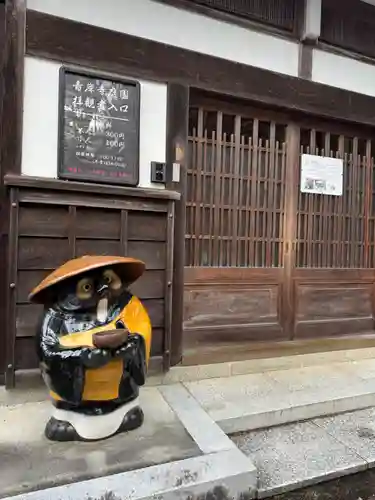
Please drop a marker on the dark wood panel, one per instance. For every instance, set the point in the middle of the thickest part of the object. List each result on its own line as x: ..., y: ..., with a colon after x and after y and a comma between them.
x: 26, y: 354
x: 222, y: 337
x: 221, y: 275
x: 98, y: 223
x: 333, y: 275
x: 77, y: 43
x: 337, y: 327
x: 333, y: 302
x: 32, y: 183
x: 200, y: 353
x: 150, y: 286
x: 157, y: 342
x: 155, y: 309
x: 26, y: 281
x: 146, y: 226
x: 39, y: 221
x: 228, y: 307
x: 73, y: 197
x: 98, y: 247
x: 42, y: 253
x: 27, y: 318
x: 152, y: 253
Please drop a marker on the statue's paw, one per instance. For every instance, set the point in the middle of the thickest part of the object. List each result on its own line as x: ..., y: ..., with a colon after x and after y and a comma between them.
x: 132, y: 420
x: 58, y: 430
x: 95, y: 358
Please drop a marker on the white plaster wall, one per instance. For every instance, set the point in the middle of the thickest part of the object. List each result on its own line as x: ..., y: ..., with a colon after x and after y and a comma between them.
x: 343, y: 72
x: 166, y: 24
x: 40, y: 125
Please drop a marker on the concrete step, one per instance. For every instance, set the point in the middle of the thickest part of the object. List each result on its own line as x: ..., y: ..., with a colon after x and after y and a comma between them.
x: 260, y: 365
x: 299, y: 455
x: 249, y: 402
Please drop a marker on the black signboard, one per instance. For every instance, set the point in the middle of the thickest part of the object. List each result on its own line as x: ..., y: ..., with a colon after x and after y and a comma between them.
x: 98, y: 129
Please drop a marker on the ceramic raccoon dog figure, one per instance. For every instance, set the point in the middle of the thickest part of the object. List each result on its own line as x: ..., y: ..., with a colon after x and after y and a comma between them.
x: 94, y: 344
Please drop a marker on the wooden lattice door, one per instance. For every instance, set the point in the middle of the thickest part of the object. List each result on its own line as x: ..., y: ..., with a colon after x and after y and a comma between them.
x: 235, y: 227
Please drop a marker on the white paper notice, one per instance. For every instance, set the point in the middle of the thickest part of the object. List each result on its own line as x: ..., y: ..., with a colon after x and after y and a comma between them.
x: 321, y: 175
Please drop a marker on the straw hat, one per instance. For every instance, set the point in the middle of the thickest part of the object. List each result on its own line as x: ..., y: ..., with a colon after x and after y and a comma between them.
x: 127, y: 268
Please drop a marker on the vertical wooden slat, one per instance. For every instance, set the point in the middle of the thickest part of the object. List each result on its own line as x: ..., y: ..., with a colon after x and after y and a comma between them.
x: 168, y: 294
x: 216, y: 228
x: 236, y: 189
x: 254, y: 176
x: 290, y: 203
x: 241, y: 181
x: 71, y: 233
x: 212, y: 198
x: 311, y: 219
x: 282, y: 197
x: 12, y: 290
x: 198, y: 192
x: 354, y: 226
x: 367, y: 202
x: 326, y: 239
x: 341, y: 220
x: 124, y: 232
x: 256, y: 207
x: 271, y: 206
x: 248, y: 187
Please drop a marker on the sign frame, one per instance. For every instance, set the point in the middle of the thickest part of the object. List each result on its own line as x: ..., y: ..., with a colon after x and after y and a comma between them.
x: 115, y: 79
x: 319, y: 186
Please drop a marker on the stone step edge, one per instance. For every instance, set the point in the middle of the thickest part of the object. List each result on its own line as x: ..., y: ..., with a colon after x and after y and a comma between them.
x: 319, y: 479
x: 298, y: 413
x: 201, y: 372
x: 226, y: 472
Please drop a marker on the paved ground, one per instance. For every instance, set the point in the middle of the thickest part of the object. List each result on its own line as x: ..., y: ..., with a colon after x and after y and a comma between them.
x: 29, y: 461
x: 180, y: 425
x: 252, y: 401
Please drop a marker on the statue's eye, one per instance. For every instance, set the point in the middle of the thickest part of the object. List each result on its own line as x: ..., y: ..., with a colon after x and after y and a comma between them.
x: 112, y: 280
x: 84, y: 289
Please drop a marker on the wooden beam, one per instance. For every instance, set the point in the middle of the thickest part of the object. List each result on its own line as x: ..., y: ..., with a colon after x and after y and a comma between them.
x: 13, y: 73
x: 97, y: 48
x: 12, y: 33
x: 177, y: 143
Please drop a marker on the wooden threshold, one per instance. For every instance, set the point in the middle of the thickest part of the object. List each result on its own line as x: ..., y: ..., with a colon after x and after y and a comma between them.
x: 209, y: 354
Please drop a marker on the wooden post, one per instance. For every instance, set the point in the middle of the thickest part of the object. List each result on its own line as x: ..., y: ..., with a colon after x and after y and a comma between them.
x: 310, y: 28
x: 12, y: 31
x: 290, y: 223
x: 176, y: 152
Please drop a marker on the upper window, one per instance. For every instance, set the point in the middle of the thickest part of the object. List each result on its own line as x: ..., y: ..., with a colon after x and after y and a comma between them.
x: 350, y: 25
x: 278, y: 13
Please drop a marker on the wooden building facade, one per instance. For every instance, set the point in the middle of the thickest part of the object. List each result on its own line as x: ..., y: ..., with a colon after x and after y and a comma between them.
x: 238, y: 258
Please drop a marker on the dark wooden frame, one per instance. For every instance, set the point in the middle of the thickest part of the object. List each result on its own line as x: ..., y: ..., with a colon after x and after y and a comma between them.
x: 31, y: 191
x: 61, y: 122
x: 176, y: 152
x: 13, y: 38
